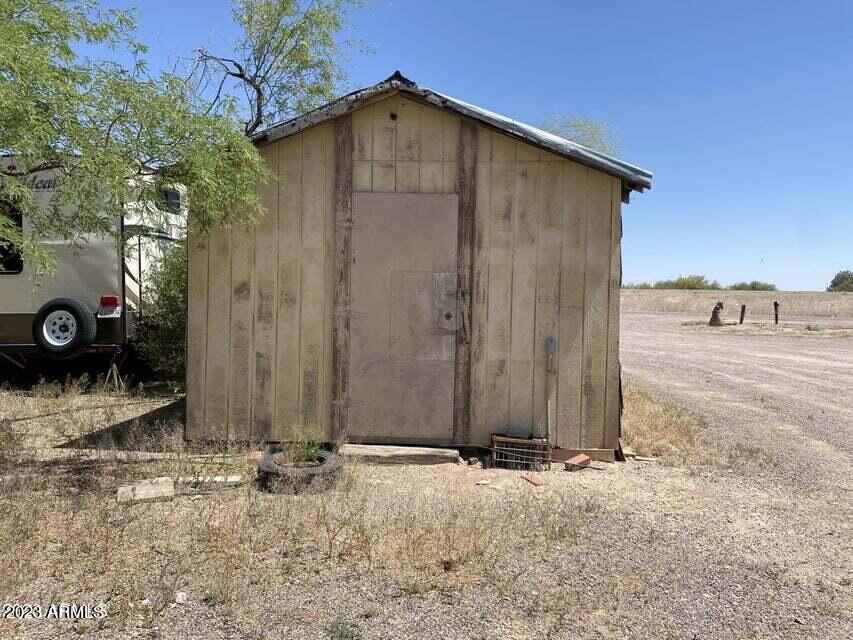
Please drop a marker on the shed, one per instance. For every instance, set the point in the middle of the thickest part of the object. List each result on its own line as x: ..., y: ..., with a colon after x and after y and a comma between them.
x: 417, y: 255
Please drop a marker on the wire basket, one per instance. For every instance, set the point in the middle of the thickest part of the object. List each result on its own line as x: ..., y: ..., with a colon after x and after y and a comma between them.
x: 521, y: 453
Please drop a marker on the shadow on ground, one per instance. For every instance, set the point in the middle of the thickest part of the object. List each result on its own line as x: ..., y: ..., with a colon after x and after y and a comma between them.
x: 131, y: 433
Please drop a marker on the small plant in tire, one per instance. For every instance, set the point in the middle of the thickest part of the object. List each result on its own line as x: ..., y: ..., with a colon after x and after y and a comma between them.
x: 63, y: 327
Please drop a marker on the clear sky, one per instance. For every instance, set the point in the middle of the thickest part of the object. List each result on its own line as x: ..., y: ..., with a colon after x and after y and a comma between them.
x: 743, y: 110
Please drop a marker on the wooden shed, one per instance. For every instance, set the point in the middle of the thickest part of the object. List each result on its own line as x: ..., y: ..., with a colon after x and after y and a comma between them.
x: 417, y: 255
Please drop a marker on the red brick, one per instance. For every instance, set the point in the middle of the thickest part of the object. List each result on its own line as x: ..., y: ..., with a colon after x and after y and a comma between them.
x: 578, y: 462
x: 533, y: 479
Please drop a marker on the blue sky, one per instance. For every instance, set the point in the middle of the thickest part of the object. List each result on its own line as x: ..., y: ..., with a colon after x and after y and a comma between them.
x: 741, y: 109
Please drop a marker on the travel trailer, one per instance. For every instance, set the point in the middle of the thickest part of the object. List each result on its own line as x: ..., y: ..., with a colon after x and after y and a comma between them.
x: 92, y: 302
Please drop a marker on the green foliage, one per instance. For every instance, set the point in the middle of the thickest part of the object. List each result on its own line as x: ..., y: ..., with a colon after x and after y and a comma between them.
x: 843, y: 281
x: 113, y: 133
x: 163, y: 326
x: 286, y: 61
x: 754, y: 285
x: 637, y: 285
x: 586, y: 131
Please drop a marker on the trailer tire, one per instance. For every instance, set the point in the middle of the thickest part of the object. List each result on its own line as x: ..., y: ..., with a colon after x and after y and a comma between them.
x: 63, y: 328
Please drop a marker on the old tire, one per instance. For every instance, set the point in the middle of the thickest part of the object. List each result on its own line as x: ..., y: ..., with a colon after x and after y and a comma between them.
x: 270, y: 473
x: 63, y: 327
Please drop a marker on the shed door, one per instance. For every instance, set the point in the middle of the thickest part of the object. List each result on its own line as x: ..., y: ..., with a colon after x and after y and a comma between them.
x: 403, y: 324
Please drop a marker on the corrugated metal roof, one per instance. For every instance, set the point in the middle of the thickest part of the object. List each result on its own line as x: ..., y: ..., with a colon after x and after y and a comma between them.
x: 633, y: 177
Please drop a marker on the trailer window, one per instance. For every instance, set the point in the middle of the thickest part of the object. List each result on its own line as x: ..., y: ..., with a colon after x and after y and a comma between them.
x: 10, y: 257
x: 171, y: 199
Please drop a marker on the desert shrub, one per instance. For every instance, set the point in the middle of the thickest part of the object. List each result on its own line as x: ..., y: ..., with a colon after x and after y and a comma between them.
x: 843, y: 281
x: 637, y: 285
x: 755, y: 285
x: 163, y: 325
x: 688, y: 282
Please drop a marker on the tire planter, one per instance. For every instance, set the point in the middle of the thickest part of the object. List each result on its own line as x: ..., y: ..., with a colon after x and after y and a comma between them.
x: 63, y: 327
x: 327, y: 468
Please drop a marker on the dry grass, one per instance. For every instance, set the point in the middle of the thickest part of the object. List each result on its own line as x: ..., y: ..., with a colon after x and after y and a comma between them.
x: 67, y: 539
x: 660, y: 429
x: 673, y: 435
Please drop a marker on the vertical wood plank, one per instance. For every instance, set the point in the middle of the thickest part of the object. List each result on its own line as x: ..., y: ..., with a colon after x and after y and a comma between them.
x: 362, y: 133
x: 467, y: 190
x: 596, y: 296
x: 265, y: 278
x: 549, y: 245
x: 408, y: 140
x: 479, y: 290
x: 342, y: 263
x: 242, y: 321
x: 313, y: 271
x: 218, y: 325
x: 500, y: 284
x: 523, y: 301
x: 324, y: 433
x: 613, y: 404
x: 196, y: 332
x: 384, y: 145
x: 289, y: 281
x: 570, y: 342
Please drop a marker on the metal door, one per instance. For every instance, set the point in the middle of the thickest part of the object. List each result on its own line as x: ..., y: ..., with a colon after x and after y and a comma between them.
x: 403, y: 321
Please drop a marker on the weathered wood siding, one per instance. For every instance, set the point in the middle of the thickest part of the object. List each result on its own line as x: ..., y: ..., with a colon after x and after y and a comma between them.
x: 544, y: 262
x: 260, y: 307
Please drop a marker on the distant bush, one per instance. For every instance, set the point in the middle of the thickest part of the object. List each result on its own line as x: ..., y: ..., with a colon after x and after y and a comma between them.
x: 161, y: 331
x: 755, y: 285
x: 843, y: 281
x: 701, y: 282
x: 688, y: 282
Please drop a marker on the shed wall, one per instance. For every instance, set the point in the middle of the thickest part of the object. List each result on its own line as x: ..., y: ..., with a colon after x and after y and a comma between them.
x: 546, y: 263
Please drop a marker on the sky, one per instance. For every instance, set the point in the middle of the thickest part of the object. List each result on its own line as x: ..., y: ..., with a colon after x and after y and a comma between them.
x: 742, y: 110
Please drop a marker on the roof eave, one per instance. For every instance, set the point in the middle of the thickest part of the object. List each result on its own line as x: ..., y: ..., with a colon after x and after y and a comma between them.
x: 633, y: 177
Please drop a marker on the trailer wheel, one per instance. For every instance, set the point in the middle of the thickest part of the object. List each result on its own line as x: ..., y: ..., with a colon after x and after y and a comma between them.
x: 63, y: 327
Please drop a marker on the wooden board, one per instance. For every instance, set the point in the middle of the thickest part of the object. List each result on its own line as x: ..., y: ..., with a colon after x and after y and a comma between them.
x: 289, y: 286
x: 480, y: 433
x: 548, y: 254
x: 344, y: 137
x: 500, y: 284
x: 570, y: 342
x: 218, y: 329
x: 312, y: 335
x: 196, y: 332
x: 467, y: 190
x: 523, y: 300
x: 386, y: 454
x: 596, y: 297
x: 242, y: 326
x: 613, y: 400
x: 265, y: 276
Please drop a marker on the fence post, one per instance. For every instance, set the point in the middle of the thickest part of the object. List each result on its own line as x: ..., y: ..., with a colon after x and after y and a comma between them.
x: 742, y: 312
x: 775, y: 312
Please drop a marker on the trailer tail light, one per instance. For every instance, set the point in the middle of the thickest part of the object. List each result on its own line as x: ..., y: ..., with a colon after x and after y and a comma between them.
x: 110, y: 307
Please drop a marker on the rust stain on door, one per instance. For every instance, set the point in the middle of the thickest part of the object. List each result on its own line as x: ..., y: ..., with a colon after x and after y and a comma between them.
x: 403, y: 326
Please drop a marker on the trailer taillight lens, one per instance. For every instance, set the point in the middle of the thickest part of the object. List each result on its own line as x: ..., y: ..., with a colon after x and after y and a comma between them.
x: 109, y: 301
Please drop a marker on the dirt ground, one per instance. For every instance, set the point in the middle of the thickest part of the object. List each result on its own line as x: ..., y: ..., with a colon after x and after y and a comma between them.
x: 740, y: 529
